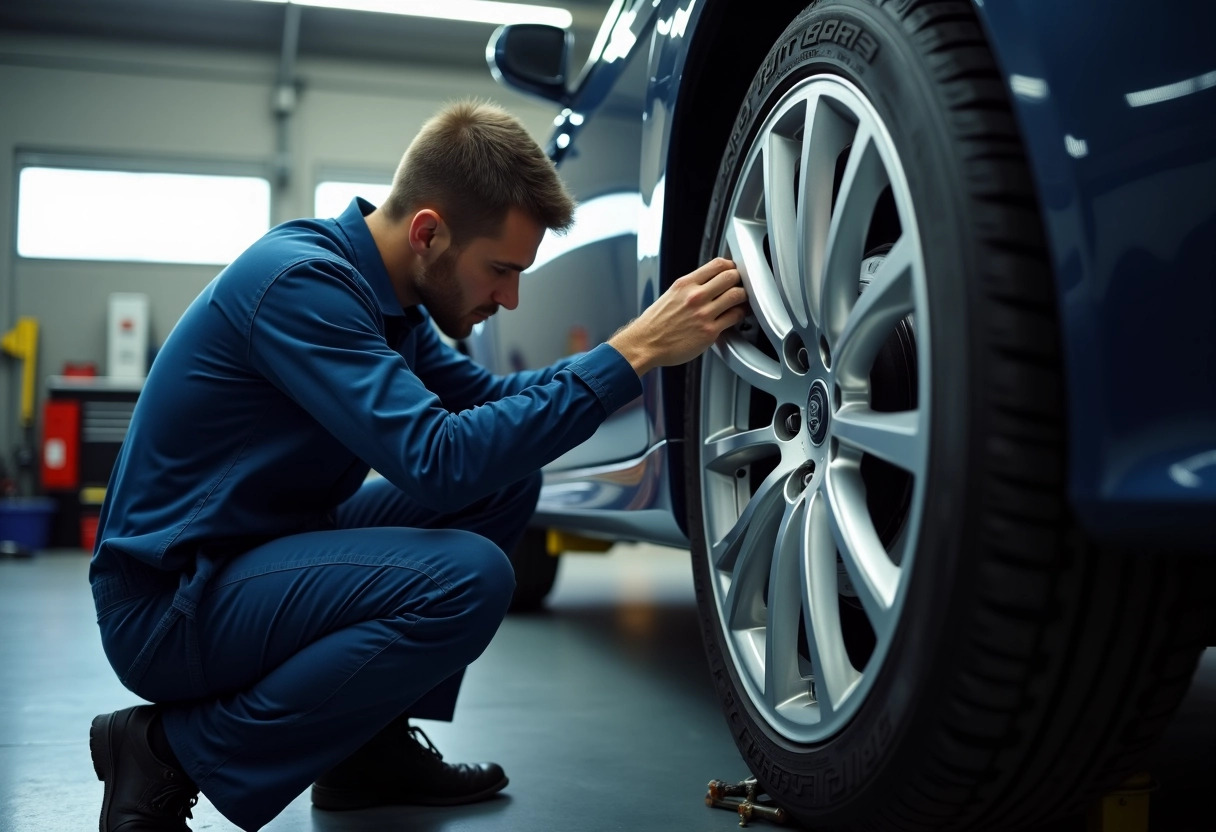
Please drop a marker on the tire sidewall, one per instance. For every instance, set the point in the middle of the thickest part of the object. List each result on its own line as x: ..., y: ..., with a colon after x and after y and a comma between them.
x: 870, y: 47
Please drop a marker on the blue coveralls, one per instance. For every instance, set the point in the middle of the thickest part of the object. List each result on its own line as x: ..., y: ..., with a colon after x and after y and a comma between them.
x: 250, y: 576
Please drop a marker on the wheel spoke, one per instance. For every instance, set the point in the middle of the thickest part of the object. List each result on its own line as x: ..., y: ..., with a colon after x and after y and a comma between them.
x: 744, y: 239
x: 894, y: 437
x: 887, y: 300
x: 725, y: 552
x: 835, y: 675
x: 863, y: 181
x: 875, y: 577
x: 745, y: 601
x: 729, y: 450
x: 825, y: 135
x: 782, y: 680
x: 781, y: 215
x: 748, y: 362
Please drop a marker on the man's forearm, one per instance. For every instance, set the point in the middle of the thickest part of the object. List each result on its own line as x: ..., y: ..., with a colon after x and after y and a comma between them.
x: 628, y: 342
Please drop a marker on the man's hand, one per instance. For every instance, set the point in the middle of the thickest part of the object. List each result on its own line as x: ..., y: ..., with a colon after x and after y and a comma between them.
x: 685, y: 320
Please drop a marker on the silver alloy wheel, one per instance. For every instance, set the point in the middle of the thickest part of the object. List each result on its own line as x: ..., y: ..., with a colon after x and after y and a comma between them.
x: 790, y: 535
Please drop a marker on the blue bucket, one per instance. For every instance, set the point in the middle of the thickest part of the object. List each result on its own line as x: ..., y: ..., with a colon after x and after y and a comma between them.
x: 26, y: 521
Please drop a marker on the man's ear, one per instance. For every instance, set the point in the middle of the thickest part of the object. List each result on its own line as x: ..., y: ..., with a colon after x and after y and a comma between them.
x: 429, y: 235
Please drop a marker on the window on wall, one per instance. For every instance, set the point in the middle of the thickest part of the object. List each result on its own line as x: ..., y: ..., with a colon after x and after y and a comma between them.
x: 76, y: 213
x: 332, y: 197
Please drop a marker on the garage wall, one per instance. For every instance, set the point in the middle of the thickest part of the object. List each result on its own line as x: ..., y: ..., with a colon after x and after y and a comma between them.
x: 138, y: 102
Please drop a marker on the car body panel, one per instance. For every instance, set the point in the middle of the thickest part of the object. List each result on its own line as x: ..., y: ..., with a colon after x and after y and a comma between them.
x: 1117, y: 107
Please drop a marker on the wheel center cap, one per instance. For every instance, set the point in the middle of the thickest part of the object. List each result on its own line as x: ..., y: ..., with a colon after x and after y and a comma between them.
x: 817, y: 412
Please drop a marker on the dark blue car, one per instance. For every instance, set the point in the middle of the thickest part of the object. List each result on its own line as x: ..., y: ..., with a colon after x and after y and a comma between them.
x: 950, y: 490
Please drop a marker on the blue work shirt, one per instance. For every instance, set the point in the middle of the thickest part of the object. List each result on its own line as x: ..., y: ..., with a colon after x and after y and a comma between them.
x: 290, y: 376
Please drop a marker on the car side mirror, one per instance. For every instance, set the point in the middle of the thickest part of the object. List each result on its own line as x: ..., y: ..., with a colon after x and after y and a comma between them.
x: 532, y: 58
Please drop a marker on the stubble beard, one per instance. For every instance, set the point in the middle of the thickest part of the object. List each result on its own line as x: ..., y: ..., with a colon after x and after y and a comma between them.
x: 441, y: 295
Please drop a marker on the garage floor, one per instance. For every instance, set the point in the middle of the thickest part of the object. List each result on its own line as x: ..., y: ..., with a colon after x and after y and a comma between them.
x: 600, y: 710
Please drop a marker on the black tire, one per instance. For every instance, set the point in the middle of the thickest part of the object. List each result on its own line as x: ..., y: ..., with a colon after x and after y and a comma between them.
x: 1028, y: 671
x: 535, y: 571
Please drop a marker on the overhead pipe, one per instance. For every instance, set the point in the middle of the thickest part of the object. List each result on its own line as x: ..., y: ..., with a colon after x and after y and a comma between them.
x: 286, y: 94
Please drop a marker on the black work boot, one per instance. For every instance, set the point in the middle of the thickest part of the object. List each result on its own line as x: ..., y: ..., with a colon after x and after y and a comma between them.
x: 143, y: 792
x: 395, y: 768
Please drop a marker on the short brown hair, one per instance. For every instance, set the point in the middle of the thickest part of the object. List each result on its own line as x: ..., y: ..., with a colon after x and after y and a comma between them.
x: 473, y: 161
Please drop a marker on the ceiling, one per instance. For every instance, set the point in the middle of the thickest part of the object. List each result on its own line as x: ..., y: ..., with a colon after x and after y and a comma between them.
x: 238, y: 24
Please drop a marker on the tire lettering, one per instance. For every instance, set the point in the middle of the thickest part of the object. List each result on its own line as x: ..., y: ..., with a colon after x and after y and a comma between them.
x: 778, y: 778
x: 811, y: 36
x: 736, y: 136
x: 867, y: 47
x: 847, y: 34
x: 788, y: 48
x: 825, y: 785
x: 770, y: 66
x: 841, y: 32
x: 836, y: 780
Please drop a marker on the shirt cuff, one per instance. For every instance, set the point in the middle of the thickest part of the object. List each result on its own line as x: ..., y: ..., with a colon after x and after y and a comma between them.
x: 609, y: 375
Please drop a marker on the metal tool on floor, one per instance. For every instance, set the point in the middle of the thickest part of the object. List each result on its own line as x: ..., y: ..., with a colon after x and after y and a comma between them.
x: 744, y: 797
x: 1123, y: 810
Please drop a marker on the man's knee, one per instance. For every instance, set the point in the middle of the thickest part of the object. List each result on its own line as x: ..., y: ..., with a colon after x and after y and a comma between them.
x: 486, y: 580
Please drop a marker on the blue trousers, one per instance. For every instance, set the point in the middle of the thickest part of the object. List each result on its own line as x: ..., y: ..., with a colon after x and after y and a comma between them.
x: 304, y: 648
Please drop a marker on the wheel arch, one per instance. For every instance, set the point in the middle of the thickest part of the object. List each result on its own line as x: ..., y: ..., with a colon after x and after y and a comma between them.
x: 703, y: 115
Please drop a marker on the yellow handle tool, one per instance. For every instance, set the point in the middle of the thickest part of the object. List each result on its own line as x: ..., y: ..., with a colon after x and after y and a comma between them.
x: 22, y: 342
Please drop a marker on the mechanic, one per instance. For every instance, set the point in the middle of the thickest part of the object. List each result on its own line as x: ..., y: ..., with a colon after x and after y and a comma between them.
x: 287, y: 614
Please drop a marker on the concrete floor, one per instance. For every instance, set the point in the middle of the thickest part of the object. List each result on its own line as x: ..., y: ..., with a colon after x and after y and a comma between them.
x: 599, y: 710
